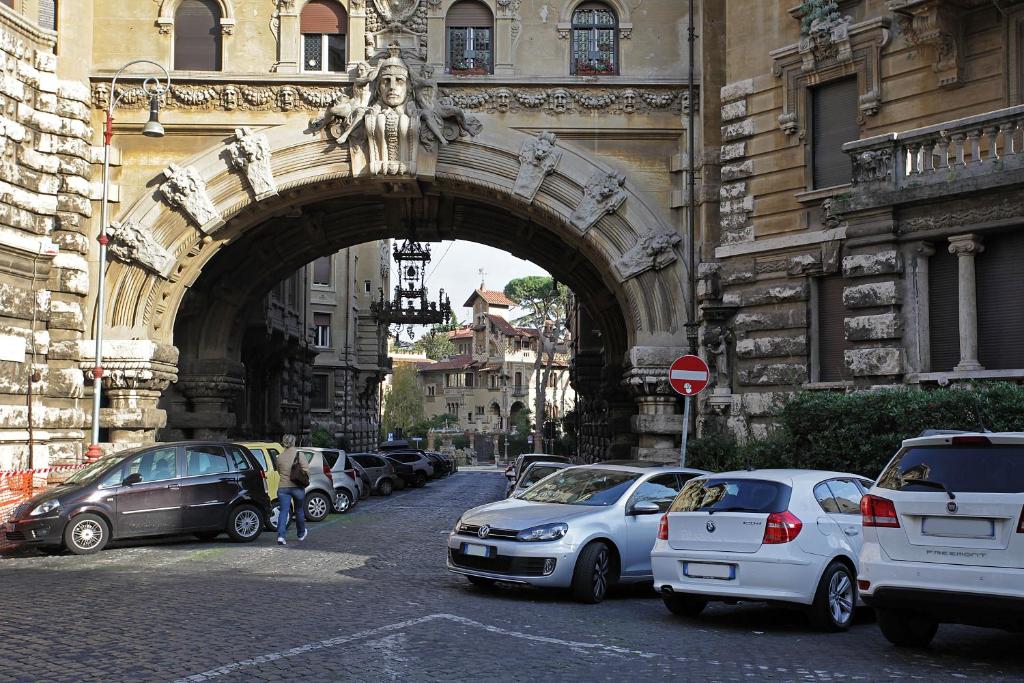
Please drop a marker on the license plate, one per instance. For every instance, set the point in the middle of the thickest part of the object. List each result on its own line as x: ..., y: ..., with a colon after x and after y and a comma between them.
x: 707, y: 570
x: 476, y: 550
x: 958, y: 527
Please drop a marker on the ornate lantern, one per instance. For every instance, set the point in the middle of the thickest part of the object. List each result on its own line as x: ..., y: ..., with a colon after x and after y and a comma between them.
x: 409, y: 306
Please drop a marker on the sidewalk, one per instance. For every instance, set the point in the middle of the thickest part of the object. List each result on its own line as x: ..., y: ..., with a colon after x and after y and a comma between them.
x: 499, y: 467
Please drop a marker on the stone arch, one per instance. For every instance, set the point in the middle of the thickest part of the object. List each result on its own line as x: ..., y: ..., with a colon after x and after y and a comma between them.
x: 168, y: 8
x: 627, y: 250
x: 621, y: 11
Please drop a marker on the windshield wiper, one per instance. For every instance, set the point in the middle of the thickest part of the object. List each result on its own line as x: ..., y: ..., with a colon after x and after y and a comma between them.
x: 928, y: 482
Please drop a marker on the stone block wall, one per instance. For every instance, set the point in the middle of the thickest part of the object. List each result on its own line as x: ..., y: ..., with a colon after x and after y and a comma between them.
x: 44, y: 273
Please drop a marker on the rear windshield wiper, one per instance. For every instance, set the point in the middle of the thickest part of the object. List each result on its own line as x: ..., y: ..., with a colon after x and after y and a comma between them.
x: 738, y: 508
x: 928, y: 482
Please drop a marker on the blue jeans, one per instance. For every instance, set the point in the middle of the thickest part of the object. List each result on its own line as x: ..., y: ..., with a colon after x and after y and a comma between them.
x: 286, y: 495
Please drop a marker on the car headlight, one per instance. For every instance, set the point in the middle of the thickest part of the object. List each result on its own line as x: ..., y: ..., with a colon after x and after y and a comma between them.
x: 544, y: 532
x: 45, y: 508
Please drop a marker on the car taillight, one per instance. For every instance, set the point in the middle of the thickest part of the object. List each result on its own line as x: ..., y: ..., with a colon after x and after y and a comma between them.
x: 327, y: 471
x: 879, y: 512
x: 1020, y: 524
x: 663, y: 528
x: 973, y: 440
x: 263, y: 472
x: 781, y: 527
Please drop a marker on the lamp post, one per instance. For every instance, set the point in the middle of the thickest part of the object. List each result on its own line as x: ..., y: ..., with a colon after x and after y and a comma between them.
x: 153, y: 87
x: 504, y: 410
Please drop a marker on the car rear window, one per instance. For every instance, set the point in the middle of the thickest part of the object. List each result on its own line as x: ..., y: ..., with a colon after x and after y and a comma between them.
x: 969, y: 469
x: 732, y: 495
x: 331, y: 458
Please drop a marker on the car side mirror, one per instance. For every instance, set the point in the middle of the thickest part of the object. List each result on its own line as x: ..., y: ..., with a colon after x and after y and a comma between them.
x: 644, y: 508
x: 132, y: 479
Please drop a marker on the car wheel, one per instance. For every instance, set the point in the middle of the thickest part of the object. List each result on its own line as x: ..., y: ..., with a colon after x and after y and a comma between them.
x: 906, y: 629
x: 421, y: 480
x: 385, y: 487
x: 480, y: 581
x: 275, y: 512
x: 342, y: 503
x: 683, y: 605
x: 318, y: 506
x: 593, y: 574
x: 86, y: 534
x: 245, y: 524
x: 835, y: 600
x: 207, y: 535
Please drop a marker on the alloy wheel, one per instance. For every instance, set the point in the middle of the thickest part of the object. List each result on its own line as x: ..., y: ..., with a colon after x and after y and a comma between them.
x: 318, y: 507
x: 247, y: 523
x: 840, y: 598
x: 87, y: 534
x: 600, y: 580
x: 341, y: 502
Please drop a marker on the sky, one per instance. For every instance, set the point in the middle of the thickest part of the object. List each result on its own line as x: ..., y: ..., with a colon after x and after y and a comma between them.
x: 455, y: 267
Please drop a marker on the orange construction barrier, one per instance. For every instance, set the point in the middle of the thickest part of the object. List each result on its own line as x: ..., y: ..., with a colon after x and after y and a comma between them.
x: 17, y: 486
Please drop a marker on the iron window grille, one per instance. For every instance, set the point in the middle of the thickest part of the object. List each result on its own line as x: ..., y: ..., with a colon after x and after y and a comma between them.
x: 595, y: 43
x: 470, y: 50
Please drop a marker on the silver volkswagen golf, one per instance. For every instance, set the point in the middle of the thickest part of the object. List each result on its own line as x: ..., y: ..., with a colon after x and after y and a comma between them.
x: 584, y: 528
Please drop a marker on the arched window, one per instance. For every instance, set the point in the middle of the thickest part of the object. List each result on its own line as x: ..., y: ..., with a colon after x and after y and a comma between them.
x: 595, y: 46
x: 323, y: 25
x: 197, y: 36
x: 469, y: 27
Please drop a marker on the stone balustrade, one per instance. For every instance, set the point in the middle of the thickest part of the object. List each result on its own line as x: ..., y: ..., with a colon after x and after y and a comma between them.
x: 953, y: 157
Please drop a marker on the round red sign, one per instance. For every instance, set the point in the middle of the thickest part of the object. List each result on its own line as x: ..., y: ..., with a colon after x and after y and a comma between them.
x: 688, y: 375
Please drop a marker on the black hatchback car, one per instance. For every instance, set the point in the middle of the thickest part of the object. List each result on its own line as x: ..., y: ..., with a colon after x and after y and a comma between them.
x: 204, y: 488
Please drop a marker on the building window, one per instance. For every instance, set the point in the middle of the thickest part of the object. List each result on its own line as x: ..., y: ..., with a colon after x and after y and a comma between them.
x: 323, y: 25
x: 832, y: 342
x: 493, y: 382
x: 480, y: 410
x: 431, y: 388
x: 833, y: 123
x: 595, y: 47
x: 943, y: 310
x: 322, y: 335
x: 518, y: 380
x: 469, y: 379
x: 1000, y: 291
x: 318, y: 399
x: 322, y: 271
x: 366, y: 286
x: 197, y: 36
x: 47, y: 14
x: 469, y: 28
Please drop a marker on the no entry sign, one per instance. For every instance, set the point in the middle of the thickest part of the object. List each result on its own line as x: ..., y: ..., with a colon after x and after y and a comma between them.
x: 688, y: 375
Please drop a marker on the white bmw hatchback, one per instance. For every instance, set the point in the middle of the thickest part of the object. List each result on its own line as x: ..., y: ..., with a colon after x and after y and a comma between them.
x: 785, y: 536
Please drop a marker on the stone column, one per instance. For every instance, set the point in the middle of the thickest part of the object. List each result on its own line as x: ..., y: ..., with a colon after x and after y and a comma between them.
x: 966, y: 247
x: 919, y: 334
x: 502, y: 42
x: 657, y: 425
x: 356, y: 40
x: 133, y: 416
x: 211, y: 387
x: 288, y: 40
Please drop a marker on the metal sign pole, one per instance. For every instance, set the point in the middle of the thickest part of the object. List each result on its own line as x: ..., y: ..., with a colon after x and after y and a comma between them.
x: 686, y: 428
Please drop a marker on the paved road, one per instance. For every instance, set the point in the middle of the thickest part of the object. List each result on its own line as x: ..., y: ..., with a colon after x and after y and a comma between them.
x: 366, y: 598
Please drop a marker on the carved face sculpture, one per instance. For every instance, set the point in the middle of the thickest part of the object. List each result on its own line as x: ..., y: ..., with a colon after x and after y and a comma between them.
x: 229, y: 97
x: 393, y: 89
x: 560, y: 100
x: 287, y: 98
x: 502, y: 99
x: 629, y: 101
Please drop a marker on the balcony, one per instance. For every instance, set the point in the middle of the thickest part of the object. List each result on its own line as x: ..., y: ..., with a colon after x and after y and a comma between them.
x: 981, y: 152
x: 519, y: 390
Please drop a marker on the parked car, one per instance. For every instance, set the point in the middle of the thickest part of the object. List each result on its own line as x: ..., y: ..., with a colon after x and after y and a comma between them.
x: 406, y: 475
x: 321, y: 496
x: 380, y: 471
x: 785, y: 536
x: 439, y: 462
x: 944, y: 536
x: 266, y: 453
x: 349, y: 486
x: 422, y: 467
x: 204, y: 488
x: 584, y: 528
x: 516, y: 467
x: 365, y: 484
x: 453, y: 462
x: 533, y: 473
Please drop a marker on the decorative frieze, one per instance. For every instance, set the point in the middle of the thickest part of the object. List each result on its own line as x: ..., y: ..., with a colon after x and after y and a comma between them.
x: 251, y: 154
x: 131, y: 244
x: 185, y: 189
x: 538, y: 158
x: 603, y: 194
x: 654, y: 250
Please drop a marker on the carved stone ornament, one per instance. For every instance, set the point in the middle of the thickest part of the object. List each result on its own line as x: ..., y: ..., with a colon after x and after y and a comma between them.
x: 603, y: 194
x: 824, y: 34
x: 872, y: 165
x: 133, y: 245
x: 251, y: 154
x: 185, y: 189
x: 391, y: 114
x: 538, y: 158
x: 938, y: 25
x: 654, y: 250
x: 396, y: 11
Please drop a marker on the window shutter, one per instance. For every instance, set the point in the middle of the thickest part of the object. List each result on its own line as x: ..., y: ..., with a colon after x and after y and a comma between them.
x: 323, y: 16
x: 831, y: 330
x: 833, y: 123
x: 322, y: 319
x: 1000, y: 291
x: 197, y: 36
x: 943, y: 310
x: 48, y: 14
x: 322, y: 271
x: 469, y: 13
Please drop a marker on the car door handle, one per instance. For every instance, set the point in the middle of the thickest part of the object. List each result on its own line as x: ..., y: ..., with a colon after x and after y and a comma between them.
x: 173, y: 487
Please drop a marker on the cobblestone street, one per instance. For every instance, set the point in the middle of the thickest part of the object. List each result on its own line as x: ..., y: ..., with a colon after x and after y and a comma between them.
x: 367, y: 598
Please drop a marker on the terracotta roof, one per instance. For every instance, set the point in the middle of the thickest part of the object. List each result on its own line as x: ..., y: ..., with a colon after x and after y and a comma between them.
x: 491, y: 297
x: 463, y: 333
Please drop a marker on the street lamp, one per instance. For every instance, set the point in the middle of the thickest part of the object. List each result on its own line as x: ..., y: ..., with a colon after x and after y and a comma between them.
x: 153, y: 87
x: 504, y: 409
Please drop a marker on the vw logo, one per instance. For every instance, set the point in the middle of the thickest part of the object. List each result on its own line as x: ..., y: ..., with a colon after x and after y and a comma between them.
x: 710, y: 526
x: 952, y: 506
x: 483, y: 531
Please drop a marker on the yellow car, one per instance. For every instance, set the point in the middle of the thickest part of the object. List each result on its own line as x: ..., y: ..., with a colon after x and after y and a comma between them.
x: 266, y: 453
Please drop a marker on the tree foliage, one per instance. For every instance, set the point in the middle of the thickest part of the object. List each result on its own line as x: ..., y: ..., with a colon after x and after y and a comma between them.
x: 403, y: 404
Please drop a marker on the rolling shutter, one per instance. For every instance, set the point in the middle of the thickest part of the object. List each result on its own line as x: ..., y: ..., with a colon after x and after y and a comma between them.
x: 1000, y: 291
x: 468, y: 13
x: 833, y: 123
x: 831, y: 330
x: 197, y: 36
x: 943, y: 310
x: 323, y: 16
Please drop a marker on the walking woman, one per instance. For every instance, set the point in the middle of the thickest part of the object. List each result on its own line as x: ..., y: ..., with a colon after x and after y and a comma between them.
x: 294, y: 471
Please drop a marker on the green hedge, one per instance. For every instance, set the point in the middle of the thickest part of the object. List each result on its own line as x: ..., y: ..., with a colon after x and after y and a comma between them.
x: 859, y: 431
